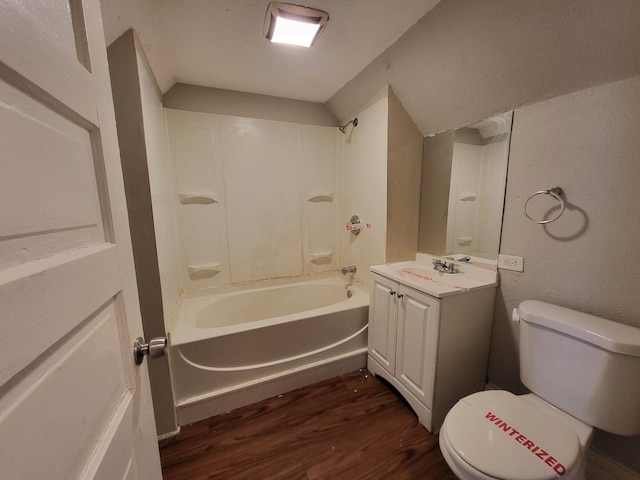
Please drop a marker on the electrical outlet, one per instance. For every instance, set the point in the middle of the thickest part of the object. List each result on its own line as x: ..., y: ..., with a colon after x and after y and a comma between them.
x: 511, y: 262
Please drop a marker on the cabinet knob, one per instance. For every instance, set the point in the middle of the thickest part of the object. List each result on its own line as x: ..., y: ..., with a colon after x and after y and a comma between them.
x: 400, y: 295
x: 392, y: 292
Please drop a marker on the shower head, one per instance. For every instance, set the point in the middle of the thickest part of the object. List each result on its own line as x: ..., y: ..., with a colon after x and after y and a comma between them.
x: 343, y: 128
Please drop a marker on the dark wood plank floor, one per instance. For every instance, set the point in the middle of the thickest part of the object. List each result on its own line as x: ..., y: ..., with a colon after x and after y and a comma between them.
x: 350, y: 427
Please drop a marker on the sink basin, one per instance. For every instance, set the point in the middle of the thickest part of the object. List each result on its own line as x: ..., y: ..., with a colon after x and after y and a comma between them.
x: 427, y: 279
x: 457, y: 280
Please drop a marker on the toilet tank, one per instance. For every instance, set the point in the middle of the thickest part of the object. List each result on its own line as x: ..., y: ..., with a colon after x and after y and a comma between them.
x: 586, y: 366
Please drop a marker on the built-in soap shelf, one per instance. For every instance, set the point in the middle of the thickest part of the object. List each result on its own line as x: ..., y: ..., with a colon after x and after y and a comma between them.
x: 203, y: 269
x: 464, y: 241
x: 318, y: 197
x: 198, y: 198
x: 321, y: 258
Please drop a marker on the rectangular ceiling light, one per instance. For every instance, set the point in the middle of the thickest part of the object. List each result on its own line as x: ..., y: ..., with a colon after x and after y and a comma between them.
x: 294, y: 24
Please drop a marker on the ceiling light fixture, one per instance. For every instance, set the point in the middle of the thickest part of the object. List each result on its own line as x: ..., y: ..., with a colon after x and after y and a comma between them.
x: 294, y: 24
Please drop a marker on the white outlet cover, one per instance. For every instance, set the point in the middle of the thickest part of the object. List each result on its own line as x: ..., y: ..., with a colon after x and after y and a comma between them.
x: 511, y: 262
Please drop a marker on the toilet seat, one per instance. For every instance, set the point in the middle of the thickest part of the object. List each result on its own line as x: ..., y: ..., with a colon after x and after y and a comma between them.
x: 502, y: 436
x: 462, y: 469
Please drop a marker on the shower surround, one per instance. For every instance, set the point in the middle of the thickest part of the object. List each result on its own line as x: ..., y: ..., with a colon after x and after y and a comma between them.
x: 258, y: 198
x: 239, y: 201
x: 260, y: 213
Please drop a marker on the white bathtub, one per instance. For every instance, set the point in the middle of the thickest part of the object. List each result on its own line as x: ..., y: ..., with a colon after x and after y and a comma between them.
x: 238, y: 345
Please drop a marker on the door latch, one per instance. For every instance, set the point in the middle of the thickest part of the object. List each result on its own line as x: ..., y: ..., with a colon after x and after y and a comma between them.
x: 155, y: 348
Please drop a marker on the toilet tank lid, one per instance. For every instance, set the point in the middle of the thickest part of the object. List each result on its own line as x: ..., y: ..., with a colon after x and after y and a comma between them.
x: 611, y: 336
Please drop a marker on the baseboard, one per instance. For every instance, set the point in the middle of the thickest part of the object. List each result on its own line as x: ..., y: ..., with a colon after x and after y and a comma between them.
x: 167, y: 438
x: 603, y: 467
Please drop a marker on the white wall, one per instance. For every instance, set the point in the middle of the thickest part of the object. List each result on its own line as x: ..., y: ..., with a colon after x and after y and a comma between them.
x: 263, y: 173
x: 464, y: 193
x: 121, y: 15
x: 364, y: 186
x: 476, y: 198
x: 273, y: 187
x: 489, y: 224
x: 163, y: 189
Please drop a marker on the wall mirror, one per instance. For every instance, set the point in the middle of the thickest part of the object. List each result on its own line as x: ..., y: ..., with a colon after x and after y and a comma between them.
x: 464, y: 173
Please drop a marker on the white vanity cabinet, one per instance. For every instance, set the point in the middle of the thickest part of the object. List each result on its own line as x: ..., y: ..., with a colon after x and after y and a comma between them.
x: 433, y: 350
x: 403, y: 335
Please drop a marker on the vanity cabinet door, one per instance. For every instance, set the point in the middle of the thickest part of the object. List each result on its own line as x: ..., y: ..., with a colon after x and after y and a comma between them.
x: 418, y: 319
x: 383, y: 318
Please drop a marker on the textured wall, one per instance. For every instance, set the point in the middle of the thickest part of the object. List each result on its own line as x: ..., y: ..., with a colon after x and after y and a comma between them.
x: 251, y: 105
x: 434, y: 198
x: 140, y: 123
x: 468, y: 59
x: 588, y: 143
x: 404, y: 166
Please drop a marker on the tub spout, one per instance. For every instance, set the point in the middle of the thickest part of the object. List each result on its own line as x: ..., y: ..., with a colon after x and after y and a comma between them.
x: 349, y: 269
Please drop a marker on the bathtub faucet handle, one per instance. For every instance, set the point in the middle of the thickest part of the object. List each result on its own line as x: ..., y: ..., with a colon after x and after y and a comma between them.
x: 349, y: 269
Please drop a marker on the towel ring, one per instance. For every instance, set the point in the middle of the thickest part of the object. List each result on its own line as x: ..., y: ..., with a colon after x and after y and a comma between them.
x: 555, y: 192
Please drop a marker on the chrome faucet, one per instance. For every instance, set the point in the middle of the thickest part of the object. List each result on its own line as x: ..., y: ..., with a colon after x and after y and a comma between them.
x: 445, y: 267
x: 349, y: 269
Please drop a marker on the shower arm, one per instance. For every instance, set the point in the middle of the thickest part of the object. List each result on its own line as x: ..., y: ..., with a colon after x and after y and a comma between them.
x: 343, y: 128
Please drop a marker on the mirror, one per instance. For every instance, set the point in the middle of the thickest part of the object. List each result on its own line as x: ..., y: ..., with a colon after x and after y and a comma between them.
x: 464, y: 172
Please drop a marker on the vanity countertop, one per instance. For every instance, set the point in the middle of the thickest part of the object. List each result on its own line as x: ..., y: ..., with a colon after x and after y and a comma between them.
x: 423, y: 277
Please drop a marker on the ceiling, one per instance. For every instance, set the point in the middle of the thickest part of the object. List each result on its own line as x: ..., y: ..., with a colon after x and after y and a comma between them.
x: 220, y: 43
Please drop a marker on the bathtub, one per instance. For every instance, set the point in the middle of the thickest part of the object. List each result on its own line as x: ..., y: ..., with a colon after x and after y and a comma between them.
x: 233, y: 346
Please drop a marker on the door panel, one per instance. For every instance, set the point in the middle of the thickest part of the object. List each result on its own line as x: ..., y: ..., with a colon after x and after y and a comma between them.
x: 74, y: 421
x: 382, y: 322
x: 42, y: 301
x: 35, y: 43
x: 72, y: 402
x: 418, y: 339
x: 49, y: 190
x: 115, y: 459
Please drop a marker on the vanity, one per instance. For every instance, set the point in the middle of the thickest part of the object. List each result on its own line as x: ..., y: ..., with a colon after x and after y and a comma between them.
x: 429, y: 332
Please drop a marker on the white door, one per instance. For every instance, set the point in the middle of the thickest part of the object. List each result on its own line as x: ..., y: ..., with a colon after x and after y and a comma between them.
x: 72, y: 402
x: 418, y: 317
x: 383, y: 313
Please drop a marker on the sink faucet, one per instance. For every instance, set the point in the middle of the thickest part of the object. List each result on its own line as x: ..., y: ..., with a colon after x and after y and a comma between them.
x: 445, y: 267
x: 349, y: 269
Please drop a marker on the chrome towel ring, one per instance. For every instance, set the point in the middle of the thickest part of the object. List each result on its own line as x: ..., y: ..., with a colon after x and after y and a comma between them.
x: 556, y: 193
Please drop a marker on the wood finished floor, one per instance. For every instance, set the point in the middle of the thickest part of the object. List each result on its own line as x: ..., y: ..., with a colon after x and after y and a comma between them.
x: 351, y: 427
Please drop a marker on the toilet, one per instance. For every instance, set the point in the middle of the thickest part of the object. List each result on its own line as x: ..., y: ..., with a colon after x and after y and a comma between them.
x: 583, y: 373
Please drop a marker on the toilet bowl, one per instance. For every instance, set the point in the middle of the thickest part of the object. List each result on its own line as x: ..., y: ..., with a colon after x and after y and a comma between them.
x: 497, y: 435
